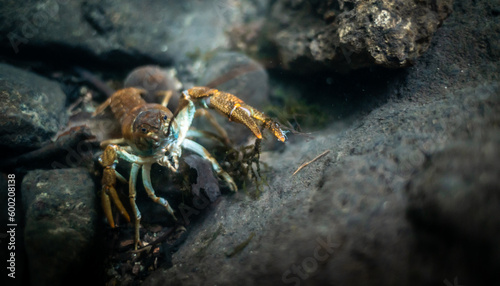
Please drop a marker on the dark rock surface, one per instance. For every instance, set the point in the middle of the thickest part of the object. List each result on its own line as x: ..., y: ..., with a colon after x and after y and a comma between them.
x: 452, y: 202
x: 355, y: 200
x: 344, y: 35
x: 60, y: 226
x: 32, y: 110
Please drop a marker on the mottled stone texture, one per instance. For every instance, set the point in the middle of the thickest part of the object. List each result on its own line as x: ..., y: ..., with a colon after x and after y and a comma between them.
x: 126, y: 33
x: 345, y: 35
x: 32, y: 109
x: 389, y: 205
x: 60, y: 226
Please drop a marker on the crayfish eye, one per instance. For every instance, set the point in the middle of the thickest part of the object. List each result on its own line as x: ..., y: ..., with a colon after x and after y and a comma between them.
x: 165, y: 117
x: 144, y: 130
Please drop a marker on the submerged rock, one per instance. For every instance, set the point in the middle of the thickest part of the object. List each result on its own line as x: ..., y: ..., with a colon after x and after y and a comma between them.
x: 60, y: 226
x: 346, y: 35
x: 32, y: 110
x: 453, y: 204
x: 119, y: 33
x: 155, y: 81
x: 343, y: 219
x: 236, y: 73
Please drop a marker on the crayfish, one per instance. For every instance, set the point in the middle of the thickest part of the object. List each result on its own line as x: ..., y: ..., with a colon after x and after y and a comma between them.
x: 153, y: 134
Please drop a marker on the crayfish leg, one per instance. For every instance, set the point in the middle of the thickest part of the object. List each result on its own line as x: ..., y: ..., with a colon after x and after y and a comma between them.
x: 108, y: 160
x: 102, y: 107
x: 106, y: 193
x: 106, y: 206
x: 146, y: 180
x: 167, y: 95
x: 118, y: 203
x: 116, y: 141
x: 132, y: 195
x: 211, y: 119
x: 202, y: 152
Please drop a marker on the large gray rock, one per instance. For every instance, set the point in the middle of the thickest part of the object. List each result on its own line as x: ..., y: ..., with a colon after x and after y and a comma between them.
x: 343, y: 219
x: 119, y: 33
x: 236, y: 73
x: 60, y: 226
x: 32, y: 110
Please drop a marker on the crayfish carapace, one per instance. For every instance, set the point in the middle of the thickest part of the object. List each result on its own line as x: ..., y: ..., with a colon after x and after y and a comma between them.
x: 152, y: 134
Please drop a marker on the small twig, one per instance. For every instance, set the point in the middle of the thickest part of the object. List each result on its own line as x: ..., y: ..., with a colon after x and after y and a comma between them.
x: 240, y: 246
x: 312, y: 161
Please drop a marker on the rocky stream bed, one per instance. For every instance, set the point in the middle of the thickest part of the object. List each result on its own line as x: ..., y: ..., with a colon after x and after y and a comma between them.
x: 394, y: 106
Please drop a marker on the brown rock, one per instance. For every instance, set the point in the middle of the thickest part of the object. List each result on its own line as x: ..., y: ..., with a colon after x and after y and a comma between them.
x: 354, y: 34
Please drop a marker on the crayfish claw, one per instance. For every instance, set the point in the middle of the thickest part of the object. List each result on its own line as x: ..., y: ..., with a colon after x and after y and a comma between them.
x: 236, y: 110
x: 243, y: 115
x: 106, y: 206
x: 108, y: 160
